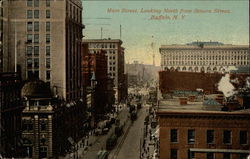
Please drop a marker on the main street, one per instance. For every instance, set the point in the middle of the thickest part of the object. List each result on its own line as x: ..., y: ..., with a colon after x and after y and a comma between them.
x: 130, y: 147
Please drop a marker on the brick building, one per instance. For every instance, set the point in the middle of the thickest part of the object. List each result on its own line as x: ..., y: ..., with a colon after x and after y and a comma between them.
x: 170, y: 81
x: 94, y: 67
x: 192, y: 132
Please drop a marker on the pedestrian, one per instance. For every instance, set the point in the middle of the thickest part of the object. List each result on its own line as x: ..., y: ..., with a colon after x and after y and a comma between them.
x: 148, y: 149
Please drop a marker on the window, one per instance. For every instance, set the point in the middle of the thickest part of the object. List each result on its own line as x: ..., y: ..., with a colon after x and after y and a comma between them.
x: 36, y: 50
x: 47, y: 3
x: 47, y: 50
x: 226, y: 155
x: 36, y: 13
x: 36, y: 74
x: 29, y: 3
x: 243, y: 137
x: 47, y: 75
x: 47, y: 38
x: 191, y: 155
x: 47, y: 13
x: 210, y: 155
x: 29, y: 63
x: 191, y: 136
x: 173, y: 154
x: 29, y: 50
x: 30, y: 74
x: 43, y: 152
x: 43, y: 125
x: 243, y: 156
x: 29, y: 14
x: 173, y: 135
x: 47, y: 26
x: 227, y: 137
x: 36, y: 63
x: 36, y: 26
x: 210, y: 136
x: 36, y: 3
x: 29, y: 26
x: 36, y: 38
x: 47, y: 62
x: 27, y: 125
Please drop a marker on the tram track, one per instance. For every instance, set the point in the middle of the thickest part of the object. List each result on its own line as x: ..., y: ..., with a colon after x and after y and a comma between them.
x: 119, y: 146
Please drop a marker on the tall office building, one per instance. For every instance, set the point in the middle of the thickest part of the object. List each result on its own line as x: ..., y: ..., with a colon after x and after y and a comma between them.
x: 115, y: 53
x: 44, y: 39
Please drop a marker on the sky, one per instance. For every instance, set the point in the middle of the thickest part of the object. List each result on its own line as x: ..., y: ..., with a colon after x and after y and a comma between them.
x: 185, y: 21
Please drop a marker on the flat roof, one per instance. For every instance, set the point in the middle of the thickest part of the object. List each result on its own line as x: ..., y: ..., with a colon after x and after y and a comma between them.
x: 226, y: 46
x: 172, y: 106
x: 101, y: 40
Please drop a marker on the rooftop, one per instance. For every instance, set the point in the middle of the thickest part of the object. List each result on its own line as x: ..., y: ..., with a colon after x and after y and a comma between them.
x: 173, y: 106
x: 101, y: 40
x: 204, y: 45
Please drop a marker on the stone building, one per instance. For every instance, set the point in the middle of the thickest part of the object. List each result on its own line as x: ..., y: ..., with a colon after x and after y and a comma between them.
x: 204, y: 56
x: 10, y: 115
x: 43, y: 37
x: 48, y: 122
x: 115, y: 54
x: 195, y: 131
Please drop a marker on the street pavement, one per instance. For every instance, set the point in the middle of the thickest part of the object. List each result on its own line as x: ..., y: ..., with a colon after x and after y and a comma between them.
x: 131, y: 146
x: 89, y: 146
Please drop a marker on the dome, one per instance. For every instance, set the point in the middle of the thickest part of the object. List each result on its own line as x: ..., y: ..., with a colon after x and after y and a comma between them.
x: 36, y: 89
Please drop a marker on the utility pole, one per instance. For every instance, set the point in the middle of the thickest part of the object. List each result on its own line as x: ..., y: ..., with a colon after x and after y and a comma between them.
x: 101, y: 32
x: 120, y: 32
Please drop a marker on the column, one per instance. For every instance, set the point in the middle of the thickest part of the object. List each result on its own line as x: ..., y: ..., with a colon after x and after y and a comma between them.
x: 37, y: 137
x: 50, y: 137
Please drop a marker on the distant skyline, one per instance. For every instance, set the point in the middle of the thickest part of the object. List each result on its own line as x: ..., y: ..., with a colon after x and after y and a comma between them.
x: 142, y: 36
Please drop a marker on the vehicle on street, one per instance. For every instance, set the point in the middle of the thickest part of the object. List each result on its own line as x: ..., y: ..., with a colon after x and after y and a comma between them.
x: 102, y: 154
x: 133, y: 115
x: 153, y: 123
x: 111, y: 142
x: 118, y: 130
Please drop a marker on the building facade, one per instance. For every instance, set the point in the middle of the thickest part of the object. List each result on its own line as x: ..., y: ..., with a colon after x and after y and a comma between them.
x: 1, y: 36
x: 94, y: 69
x: 190, y: 133
x: 204, y: 57
x: 115, y: 54
x: 44, y: 39
x: 48, y: 122
x: 10, y: 109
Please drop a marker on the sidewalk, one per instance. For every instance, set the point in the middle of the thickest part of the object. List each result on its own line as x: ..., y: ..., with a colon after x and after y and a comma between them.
x: 149, y: 142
